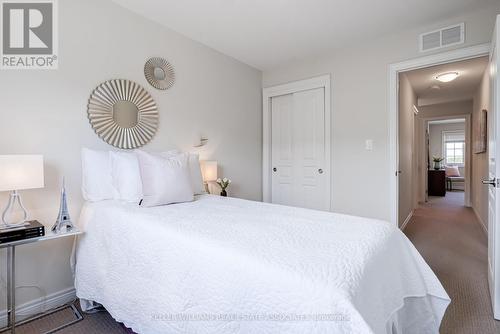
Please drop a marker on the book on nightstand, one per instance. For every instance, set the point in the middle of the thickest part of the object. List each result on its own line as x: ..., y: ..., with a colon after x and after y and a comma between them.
x: 33, y: 230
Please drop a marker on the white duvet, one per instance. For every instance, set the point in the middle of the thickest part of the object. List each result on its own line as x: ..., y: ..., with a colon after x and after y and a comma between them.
x: 224, y: 265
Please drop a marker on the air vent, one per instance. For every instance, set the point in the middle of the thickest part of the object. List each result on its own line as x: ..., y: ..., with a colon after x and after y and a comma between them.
x: 442, y: 38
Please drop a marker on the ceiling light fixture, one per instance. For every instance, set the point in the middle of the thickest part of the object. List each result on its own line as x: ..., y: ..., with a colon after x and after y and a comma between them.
x: 447, y: 77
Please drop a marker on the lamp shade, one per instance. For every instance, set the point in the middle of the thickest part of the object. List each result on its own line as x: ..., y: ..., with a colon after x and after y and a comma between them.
x: 209, y: 170
x: 19, y: 172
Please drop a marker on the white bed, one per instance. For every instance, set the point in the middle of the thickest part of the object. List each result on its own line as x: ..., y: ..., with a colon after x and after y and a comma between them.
x: 224, y: 265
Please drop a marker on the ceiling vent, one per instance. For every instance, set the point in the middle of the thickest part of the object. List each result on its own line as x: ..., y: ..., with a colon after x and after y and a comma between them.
x: 442, y: 38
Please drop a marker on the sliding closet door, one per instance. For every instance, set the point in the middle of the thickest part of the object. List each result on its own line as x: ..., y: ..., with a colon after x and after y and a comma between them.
x: 298, y: 150
x: 282, y: 150
x: 309, y: 149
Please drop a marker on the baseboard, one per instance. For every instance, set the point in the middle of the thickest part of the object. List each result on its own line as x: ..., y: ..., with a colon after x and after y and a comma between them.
x: 407, y: 220
x: 483, y: 226
x: 39, y: 305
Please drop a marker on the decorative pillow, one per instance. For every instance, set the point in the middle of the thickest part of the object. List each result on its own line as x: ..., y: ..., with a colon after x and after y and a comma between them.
x: 96, y: 175
x: 164, y: 180
x: 194, y: 170
x: 170, y: 154
x: 126, y: 176
x: 452, y: 171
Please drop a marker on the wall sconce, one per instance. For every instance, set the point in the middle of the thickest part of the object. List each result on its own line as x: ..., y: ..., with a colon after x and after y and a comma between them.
x: 208, y: 172
x: 203, y: 142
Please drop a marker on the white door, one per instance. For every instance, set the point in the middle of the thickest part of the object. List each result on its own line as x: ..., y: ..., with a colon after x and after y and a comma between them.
x: 298, y: 150
x: 494, y: 175
x: 282, y: 152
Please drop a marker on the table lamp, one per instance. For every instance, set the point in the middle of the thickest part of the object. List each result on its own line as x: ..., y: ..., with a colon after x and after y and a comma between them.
x: 18, y: 172
x: 208, y: 172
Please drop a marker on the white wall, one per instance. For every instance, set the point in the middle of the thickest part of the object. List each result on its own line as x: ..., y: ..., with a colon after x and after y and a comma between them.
x: 480, y: 161
x: 45, y: 112
x: 359, y: 72
x: 407, y: 99
x: 436, y: 136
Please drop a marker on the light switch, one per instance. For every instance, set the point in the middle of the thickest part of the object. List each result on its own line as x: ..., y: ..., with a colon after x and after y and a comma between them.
x: 369, y: 144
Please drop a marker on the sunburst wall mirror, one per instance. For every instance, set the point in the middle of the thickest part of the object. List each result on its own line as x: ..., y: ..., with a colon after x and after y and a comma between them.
x: 123, y: 113
x: 159, y: 73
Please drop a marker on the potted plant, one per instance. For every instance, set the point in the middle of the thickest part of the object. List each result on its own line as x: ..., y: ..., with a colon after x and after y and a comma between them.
x: 224, y: 183
x: 437, y: 162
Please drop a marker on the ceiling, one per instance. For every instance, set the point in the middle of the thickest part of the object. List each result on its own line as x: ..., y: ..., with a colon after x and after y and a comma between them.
x: 431, y: 91
x: 268, y: 33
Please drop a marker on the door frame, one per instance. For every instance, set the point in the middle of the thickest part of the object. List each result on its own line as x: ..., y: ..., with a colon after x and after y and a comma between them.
x: 468, y: 153
x: 471, y: 52
x: 493, y: 127
x: 268, y: 93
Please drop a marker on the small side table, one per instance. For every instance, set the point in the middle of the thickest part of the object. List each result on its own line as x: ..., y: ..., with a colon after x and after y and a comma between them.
x: 436, y: 182
x: 11, y: 284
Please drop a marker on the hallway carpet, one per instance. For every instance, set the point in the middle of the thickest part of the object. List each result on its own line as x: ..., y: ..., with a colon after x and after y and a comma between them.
x: 452, y: 241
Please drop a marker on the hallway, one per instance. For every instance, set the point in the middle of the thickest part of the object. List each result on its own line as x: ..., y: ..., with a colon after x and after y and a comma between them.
x: 452, y: 241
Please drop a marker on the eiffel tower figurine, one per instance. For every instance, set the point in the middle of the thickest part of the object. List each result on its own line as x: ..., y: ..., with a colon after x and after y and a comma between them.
x: 63, y: 220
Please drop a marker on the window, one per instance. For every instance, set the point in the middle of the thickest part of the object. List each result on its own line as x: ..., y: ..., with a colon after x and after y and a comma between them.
x: 454, y: 147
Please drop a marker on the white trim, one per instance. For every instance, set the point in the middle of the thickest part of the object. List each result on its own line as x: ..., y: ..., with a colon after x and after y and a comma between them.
x: 394, y: 70
x: 407, y: 220
x: 289, y: 88
x: 481, y: 222
x: 40, y: 305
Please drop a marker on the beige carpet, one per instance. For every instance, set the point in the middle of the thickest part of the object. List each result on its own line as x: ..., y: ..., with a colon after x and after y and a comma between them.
x: 449, y: 237
x: 97, y: 323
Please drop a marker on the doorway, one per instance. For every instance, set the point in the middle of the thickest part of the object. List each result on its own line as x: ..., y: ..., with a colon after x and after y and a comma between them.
x: 395, y: 70
x: 436, y: 104
x: 447, y: 149
x: 439, y: 220
x: 296, y: 144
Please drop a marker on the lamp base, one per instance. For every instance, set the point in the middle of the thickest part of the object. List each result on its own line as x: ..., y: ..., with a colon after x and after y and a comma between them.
x: 6, y: 222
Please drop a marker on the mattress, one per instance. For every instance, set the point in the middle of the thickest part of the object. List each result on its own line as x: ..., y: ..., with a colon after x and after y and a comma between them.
x: 225, y: 265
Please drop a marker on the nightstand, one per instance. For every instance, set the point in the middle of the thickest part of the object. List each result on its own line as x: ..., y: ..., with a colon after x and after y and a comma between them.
x: 436, y: 180
x: 11, y: 283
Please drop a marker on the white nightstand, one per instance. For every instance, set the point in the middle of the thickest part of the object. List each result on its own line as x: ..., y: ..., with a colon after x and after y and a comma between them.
x: 11, y: 283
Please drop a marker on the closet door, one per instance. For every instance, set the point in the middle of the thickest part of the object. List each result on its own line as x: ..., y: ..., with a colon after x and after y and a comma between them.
x: 282, y: 150
x: 309, y: 149
x: 298, y: 150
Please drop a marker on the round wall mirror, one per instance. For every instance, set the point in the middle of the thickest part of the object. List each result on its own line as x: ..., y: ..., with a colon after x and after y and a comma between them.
x: 159, y: 73
x: 123, y: 113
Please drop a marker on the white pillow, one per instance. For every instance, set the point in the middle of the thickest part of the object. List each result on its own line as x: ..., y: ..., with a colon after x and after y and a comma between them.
x: 126, y: 176
x: 164, y: 180
x: 194, y: 170
x: 195, y: 173
x: 171, y: 153
x: 96, y: 175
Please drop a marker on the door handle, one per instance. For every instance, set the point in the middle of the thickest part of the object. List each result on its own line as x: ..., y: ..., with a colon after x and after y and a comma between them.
x: 275, y: 169
x: 320, y: 171
x: 492, y: 182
